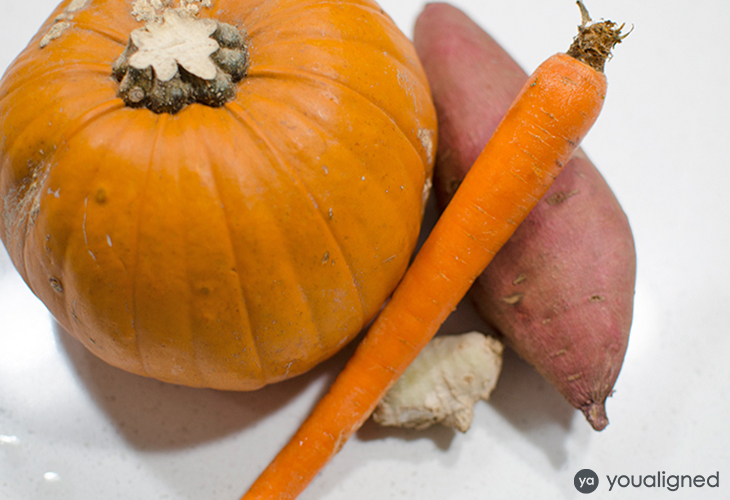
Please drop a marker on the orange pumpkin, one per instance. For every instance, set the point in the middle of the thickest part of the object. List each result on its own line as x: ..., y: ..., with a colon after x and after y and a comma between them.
x: 216, y: 193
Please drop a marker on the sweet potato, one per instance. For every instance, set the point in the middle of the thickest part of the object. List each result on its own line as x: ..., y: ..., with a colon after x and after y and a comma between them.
x: 561, y: 291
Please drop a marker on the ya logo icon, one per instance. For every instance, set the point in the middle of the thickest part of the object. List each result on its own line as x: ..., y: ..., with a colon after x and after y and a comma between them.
x: 586, y: 481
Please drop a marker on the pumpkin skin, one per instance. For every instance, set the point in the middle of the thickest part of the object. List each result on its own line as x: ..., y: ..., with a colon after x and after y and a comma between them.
x: 225, y: 247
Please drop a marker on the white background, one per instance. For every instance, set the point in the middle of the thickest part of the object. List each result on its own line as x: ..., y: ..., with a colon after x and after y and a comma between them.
x: 73, y: 428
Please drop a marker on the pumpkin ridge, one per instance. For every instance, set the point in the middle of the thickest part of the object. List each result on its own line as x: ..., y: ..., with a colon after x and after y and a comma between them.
x: 264, y: 19
x: 296, y: 41
x: 194, y: 374
x: 242, y: 118
x: 215, y: 174
x: 302, y: 6
x: 287, y: 73
x: 62, y: 69
x: 117, y: 38
x: 375, y: 180
x: 160, y: 123
x: 76, y: 125
x: 195, y: 364
x: 93, y: 114
x: 67, y: 272
x: 72, y: 323
x: 36, y: 185
x: 242, y: 114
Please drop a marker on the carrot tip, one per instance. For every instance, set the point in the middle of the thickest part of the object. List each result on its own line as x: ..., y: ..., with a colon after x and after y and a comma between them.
x: 594, y: 41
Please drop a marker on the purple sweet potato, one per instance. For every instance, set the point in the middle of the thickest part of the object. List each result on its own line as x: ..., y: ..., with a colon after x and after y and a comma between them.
x: 561, y: 291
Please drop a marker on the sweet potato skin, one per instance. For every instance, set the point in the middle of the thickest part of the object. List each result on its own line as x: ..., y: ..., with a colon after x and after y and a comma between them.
x: 561, y: 291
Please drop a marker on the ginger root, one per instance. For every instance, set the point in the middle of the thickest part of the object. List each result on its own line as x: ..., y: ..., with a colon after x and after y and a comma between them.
x: 444, y: 383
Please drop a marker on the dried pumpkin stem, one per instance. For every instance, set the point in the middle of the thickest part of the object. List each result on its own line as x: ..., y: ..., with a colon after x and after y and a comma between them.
x: 181, y: 60
x: 594, y: 41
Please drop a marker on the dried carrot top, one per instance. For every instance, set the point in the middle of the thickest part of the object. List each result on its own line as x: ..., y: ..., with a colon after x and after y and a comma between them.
x: 595, y: 41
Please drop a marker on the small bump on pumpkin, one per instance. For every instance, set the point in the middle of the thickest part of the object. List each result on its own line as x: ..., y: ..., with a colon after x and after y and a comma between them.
x: 55, y: 284
x: 100, y: 196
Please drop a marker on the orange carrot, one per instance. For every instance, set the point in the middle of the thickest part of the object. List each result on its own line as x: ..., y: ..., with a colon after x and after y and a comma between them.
x: 537, y: 136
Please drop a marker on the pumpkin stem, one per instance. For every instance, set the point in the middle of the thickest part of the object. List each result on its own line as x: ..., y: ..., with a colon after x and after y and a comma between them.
x: 180, y: 60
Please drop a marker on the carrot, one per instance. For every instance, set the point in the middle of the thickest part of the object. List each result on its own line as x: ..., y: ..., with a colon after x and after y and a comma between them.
x: 537, y: 136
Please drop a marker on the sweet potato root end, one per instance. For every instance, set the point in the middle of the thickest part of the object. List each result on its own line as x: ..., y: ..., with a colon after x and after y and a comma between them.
x: 596, y: 415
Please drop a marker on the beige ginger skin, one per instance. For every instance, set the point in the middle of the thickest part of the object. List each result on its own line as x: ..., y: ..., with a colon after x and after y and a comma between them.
x: 442, y: 385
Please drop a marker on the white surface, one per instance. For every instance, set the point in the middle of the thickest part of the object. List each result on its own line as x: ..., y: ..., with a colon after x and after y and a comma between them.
x: 73, y: 428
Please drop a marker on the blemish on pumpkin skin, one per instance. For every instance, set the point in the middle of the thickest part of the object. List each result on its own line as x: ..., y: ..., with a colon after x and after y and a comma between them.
x: 76, y: 5
x: 147, y: 10
x: 426, y: 138
x: 22, y: 205
x: 426, y: 191
x: 150, y: 10
x: 62, y: 23
x: 55, y: 284
x: 54, y: 32
x: 100, y: 196
x: 74, y: 316
x: 83, y: 223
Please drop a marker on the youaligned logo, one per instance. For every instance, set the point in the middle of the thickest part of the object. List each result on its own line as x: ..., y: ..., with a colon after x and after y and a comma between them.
x: 586, y: 481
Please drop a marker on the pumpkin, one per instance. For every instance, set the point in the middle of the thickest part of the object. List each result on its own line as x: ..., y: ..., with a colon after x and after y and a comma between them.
x: 215, y: 193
